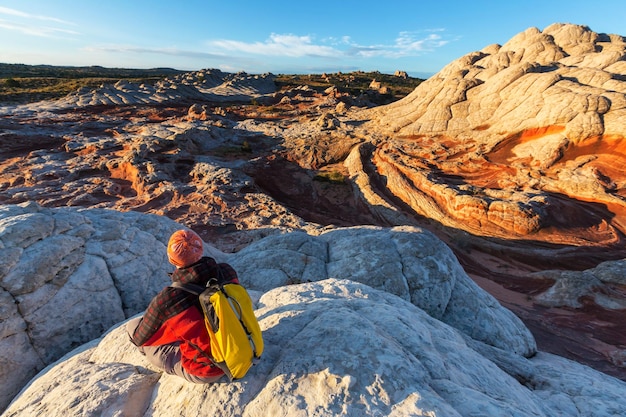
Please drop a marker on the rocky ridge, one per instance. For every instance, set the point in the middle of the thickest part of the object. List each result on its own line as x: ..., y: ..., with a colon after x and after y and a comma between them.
x: 495, y: 141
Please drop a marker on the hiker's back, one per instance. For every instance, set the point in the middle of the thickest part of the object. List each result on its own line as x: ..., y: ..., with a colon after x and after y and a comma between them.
x: 235, y: 334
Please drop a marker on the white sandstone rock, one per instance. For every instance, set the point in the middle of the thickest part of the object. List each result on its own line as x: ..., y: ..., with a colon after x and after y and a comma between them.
x: 67, y: 275
x: 409, y: 262
x: 76, y: 272
x: 333, y: 347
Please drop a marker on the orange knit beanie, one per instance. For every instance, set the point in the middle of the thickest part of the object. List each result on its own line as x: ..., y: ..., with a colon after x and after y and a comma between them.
x: 184, y: 248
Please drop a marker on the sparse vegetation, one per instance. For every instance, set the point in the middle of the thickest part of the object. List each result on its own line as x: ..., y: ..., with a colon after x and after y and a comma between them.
x: 333, y: 177
x: 51, y: 71
x: 25, y: 90
x: 11, y: 83
x: 233, y: 150
x: 353, y: 83
x: 29, y: 83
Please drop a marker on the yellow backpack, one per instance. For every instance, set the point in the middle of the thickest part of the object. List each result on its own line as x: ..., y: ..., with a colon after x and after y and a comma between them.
x: 236, y: 338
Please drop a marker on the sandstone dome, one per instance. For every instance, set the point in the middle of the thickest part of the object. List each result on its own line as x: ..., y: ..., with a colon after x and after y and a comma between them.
x: 504, y: 141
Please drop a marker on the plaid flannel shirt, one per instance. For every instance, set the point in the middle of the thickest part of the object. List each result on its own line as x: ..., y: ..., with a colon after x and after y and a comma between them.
x: 172, y: 301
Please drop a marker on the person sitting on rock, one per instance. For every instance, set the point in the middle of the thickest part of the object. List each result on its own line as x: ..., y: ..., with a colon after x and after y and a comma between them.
x: 172, y: 333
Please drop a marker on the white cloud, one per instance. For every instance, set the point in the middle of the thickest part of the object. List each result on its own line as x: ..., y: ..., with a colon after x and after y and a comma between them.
x: 13, y: 12
x: 280, y: 45
x: 44, y: 31
x: 30, y: 24
x: 169, y: 56
x: 406, y: 42
x: 156, y: 51
x: 289, y: 45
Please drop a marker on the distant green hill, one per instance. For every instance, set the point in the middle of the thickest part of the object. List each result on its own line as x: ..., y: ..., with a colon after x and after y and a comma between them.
x: 28, y: 71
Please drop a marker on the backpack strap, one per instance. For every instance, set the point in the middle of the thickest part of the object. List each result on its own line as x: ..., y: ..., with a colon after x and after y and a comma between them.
x: 189, y: 287
x: 216, y: 281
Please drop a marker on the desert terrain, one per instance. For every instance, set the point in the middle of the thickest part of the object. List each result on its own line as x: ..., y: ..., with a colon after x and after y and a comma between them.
x: 514, y: 156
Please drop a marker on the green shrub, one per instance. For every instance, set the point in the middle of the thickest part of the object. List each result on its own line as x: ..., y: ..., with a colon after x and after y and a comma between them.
x: 11, y: 82
x: 334, y: 177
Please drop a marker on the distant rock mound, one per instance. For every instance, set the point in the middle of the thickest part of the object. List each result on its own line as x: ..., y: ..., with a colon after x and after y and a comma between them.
x: 206, y: 85
x: 333, y: 347
x: 602, y: 284
x: 510, y: 140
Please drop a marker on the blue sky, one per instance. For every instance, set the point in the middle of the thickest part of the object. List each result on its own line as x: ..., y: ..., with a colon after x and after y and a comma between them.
x: 279, y: 36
